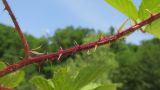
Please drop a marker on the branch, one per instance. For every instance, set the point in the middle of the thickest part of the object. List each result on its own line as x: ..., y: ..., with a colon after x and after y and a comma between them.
x: 18, y: 29
x: 77, y: 48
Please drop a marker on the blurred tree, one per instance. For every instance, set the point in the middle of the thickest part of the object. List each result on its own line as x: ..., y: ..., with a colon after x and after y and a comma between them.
x: 11, y: 48
x: 139, y: 67
x: 66, y: 37
x: 111, y: 30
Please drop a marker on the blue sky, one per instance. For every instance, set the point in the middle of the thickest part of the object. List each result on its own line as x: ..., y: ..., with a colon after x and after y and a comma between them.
x: 37, y: 17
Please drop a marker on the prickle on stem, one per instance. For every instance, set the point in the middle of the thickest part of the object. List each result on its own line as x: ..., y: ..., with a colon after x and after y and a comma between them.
x: 60, y: 52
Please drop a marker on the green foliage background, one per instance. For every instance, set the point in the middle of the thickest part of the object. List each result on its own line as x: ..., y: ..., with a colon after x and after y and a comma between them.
x: 116, y: 66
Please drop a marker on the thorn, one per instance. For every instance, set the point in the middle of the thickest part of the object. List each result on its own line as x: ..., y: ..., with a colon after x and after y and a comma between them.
x: 88, y: 52
x: 75, y: 42
x: 60, y: 53
x: 143, y: 31
x: 76, y: 45
x: 95, y: 48
x: 101, y: 37
x: 37, y: 48
x: 14, y: 30
x: 50, y: 61
x: 1, y: 85
x: 6, y: 63
x: 21, y: 57
x: 147, y: 10
x: 150, y: 25
x: 51, y: 64
x: 36, y: 53
x: 39, y: 66
x: 4, y: 9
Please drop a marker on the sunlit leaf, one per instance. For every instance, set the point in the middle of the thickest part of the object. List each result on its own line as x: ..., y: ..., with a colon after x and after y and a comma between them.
x: 147, y: 7
x: 11, y: 80
x: 91, y: 86
x: 154, y: 28
x: 63, y: 79
x: 88, y: 75
x: 42, y: 83
x: 126, y: 7
x: 107, y: 87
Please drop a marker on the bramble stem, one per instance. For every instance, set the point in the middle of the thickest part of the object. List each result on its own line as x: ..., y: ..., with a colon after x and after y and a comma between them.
x: 18, y: 29
x: 77, y: 48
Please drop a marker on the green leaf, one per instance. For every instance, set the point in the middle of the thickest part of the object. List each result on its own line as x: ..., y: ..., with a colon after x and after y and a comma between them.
x: 126, y: 7
x: 107, y: 87
x: 11, y: 80
x: 63, y: 79
x: 91, y: 86
x: 42, y: 83
x: 151, y: 5
x: 88, y: 75
x: 154, y: 28
x: 146, y: 8
x: 80, y: 74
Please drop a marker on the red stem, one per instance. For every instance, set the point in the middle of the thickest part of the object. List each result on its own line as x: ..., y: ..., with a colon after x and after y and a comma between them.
x: 18, y: 29
x: 77, y: 48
